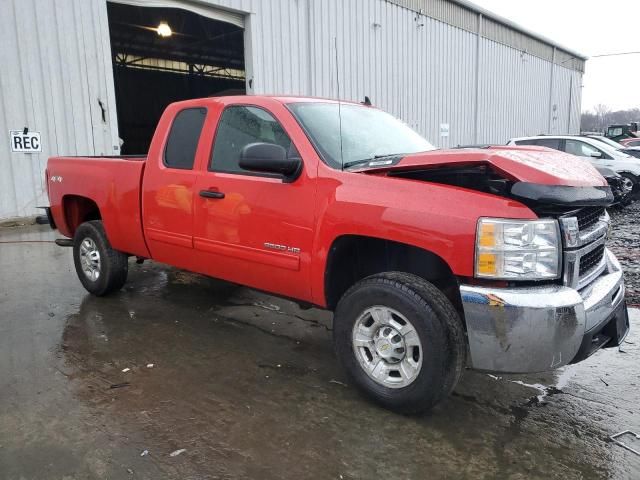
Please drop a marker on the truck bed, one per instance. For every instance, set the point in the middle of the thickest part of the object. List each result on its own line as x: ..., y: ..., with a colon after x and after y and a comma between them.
x: 113, y: 183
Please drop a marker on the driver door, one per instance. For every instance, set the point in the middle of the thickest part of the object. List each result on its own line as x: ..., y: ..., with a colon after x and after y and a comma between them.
x: 252, y: 228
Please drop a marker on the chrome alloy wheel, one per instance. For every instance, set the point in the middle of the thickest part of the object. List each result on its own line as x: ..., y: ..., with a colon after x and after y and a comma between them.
x: 387, y: 347
x: 90, y: 259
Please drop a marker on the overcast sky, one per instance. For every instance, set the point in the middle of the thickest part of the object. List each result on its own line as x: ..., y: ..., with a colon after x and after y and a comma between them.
x: 590, y: 27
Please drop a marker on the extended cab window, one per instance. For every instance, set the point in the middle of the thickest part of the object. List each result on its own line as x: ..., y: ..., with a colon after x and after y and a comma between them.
x: 182, y: 143
x: 239, y: 126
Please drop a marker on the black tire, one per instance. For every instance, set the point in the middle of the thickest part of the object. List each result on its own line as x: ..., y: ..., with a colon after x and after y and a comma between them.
x: 114, y: 265
x: 635, y: 193
x: 434, y: 318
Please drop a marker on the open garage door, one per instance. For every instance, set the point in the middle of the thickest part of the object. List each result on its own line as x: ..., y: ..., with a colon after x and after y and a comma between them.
x: 163, y: 54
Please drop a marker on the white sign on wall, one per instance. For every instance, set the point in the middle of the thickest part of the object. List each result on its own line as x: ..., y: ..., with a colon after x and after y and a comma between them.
x: 444, y: 129
x: 25, y: 142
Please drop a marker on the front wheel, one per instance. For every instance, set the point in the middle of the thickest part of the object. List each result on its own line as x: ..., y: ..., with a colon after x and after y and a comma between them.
x: 100, y: 268
x: 400, y: 340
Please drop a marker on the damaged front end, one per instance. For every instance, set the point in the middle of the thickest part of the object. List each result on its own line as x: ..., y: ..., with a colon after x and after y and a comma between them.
x: 523, y: 327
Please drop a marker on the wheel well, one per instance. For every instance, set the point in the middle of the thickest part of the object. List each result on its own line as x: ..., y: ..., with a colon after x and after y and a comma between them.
x: 78, y: 210
x: 354, y: 257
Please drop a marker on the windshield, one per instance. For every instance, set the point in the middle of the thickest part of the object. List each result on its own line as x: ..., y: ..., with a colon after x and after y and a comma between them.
x: 367, y: 133
x: 609, y: 142
x: 612, y: 151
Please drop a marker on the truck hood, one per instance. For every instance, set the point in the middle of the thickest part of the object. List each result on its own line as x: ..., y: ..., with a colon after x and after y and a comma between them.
x: 533, y: 175
x: 538, y: 165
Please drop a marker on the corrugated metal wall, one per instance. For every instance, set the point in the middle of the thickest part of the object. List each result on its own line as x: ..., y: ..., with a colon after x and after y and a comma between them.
x: 417, y: 67
x: 57, y: 69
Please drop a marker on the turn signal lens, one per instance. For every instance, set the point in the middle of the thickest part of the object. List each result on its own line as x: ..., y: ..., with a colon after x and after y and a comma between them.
x: 487, y: 235
x: 487, y: 264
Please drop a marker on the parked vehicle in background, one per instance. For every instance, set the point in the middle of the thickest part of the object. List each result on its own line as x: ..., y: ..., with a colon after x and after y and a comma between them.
x: 598, y: 153
x: 630, y: 142
x: 633, y: 151
x: 620, y: 132
x: 621, y: 187
x: 423, y: 255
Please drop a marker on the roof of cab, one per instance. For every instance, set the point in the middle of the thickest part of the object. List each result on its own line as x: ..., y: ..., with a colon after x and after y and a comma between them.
x: 288, y: 99
x: 284, y: 99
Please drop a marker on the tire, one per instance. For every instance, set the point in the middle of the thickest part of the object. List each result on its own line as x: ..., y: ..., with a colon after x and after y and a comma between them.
x: 92, y: 253
x: 635, y: 193
x: 441, y: 350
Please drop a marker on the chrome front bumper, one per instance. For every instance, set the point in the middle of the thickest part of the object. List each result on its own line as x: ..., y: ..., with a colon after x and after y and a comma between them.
x: 534, y: 329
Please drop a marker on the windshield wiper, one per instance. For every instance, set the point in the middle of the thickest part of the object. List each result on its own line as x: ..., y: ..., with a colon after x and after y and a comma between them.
x: 364, y: 161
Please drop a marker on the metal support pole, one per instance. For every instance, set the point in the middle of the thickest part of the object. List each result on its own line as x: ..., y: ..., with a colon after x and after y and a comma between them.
x: 553, y: 68
x: 476, y: 125
x: 570, y: 102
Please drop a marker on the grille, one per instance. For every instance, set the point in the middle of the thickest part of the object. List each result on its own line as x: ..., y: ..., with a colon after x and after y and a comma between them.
x: 590, y: 260
x: 589, y: 216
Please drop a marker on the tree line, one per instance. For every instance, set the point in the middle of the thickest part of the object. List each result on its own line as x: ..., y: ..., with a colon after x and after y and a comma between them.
x: 602, y: 116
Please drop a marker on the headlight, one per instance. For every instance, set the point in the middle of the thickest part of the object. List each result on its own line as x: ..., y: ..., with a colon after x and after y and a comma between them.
x: 517, y: 249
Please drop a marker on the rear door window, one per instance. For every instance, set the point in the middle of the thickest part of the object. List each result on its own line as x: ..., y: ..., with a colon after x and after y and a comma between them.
x: 541, y: 142
x: 549, y: 143
x: 180, y: 151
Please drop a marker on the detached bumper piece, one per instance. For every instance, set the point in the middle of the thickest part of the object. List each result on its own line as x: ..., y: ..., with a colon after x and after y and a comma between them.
x: 535, y: 329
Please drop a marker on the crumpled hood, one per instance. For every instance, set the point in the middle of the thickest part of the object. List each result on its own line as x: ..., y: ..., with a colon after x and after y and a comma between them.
x: 530, y: 164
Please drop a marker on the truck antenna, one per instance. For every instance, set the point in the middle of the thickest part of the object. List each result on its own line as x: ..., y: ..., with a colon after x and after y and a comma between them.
x: 335, y: 42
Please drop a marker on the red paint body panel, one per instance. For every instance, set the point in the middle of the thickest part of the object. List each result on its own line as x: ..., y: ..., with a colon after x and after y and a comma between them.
x: 154, y: 211
x: 111, y: 183
x: 628, y: 142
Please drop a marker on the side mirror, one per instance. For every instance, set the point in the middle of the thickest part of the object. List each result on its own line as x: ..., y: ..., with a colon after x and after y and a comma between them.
x: 270, y: 158
x: 596, y: 154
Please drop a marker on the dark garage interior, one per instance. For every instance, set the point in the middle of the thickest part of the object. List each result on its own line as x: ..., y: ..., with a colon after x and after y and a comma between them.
x: 163, y: 55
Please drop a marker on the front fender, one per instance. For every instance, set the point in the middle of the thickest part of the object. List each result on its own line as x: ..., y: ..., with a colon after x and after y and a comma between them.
x: 438, y: 218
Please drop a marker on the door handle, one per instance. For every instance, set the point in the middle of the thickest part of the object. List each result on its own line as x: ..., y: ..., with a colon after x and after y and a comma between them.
x: 211, y: 194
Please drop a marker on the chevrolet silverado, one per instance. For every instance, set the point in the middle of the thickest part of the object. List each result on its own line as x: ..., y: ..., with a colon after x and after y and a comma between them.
x: 431, y: 260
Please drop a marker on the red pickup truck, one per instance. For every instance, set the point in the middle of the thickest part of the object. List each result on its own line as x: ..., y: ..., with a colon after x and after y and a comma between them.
x: 431, y: 260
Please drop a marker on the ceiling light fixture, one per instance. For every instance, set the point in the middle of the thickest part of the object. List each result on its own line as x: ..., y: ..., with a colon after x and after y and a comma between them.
x: 164, y: 30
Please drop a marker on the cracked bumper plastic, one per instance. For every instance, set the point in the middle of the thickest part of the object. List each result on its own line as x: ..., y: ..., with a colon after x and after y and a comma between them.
x: 534, y: 329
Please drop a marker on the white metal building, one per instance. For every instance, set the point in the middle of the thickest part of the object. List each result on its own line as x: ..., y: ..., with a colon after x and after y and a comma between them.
x: 88, y: 74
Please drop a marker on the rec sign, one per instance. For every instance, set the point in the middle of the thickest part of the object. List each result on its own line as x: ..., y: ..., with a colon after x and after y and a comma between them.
x: 25, y: 141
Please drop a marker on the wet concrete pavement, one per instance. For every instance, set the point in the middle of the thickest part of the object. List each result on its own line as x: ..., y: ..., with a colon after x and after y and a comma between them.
x: 625, y: 243
x: 249, y: 386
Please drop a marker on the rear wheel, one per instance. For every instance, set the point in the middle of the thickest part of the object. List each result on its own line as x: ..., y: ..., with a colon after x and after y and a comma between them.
x: 100, y: 268
x: 401, y: 341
